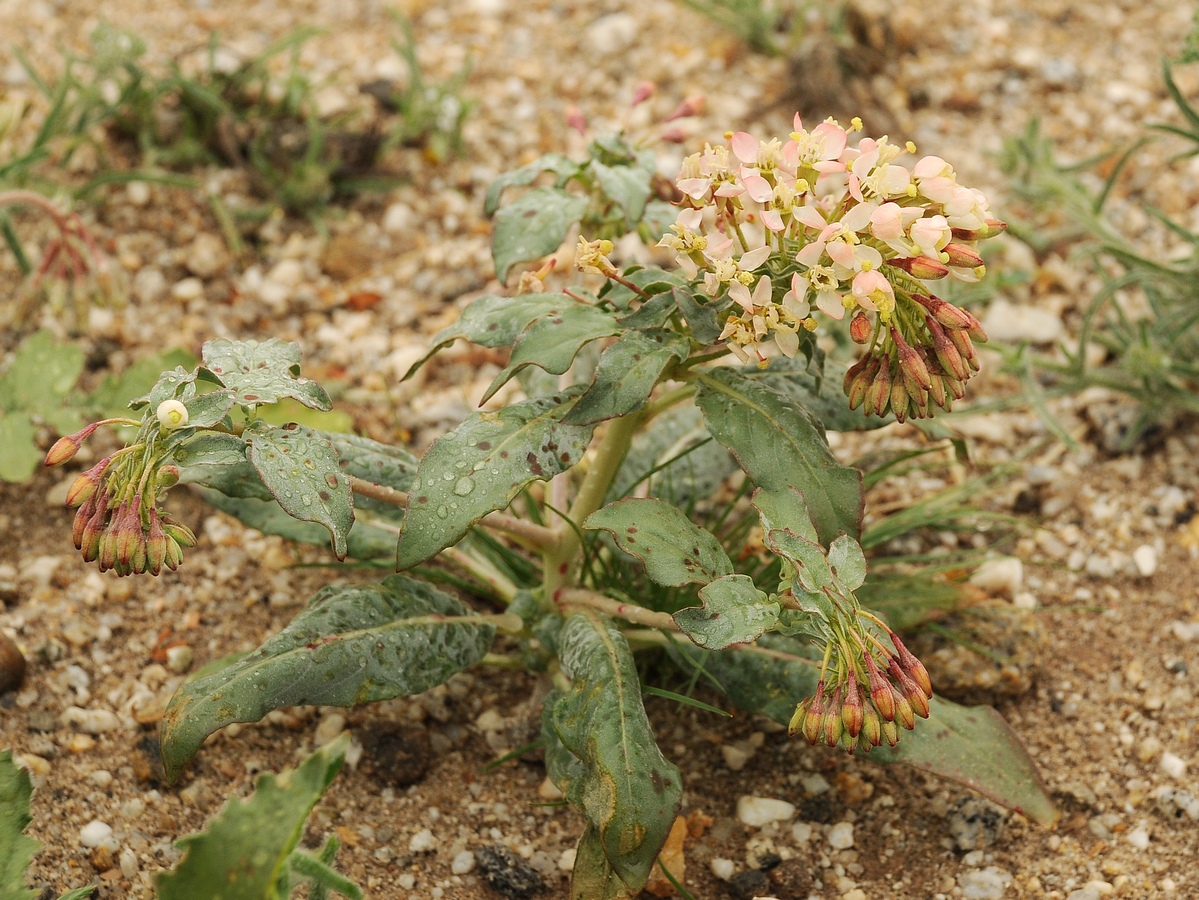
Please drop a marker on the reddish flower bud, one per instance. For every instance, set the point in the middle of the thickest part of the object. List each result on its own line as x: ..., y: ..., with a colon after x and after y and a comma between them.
x: 963, y: 344
x: 673, y: 136
x: 813, y: 722
x: 992, y: 228
x: 179, y: 532
x: 872, y: 726
x: 126, y: 528
x: 904, y: 714
x: 946, y: 313
x: 575, y: 119
x: 880, y: 690
x: 909, y: 690
x: 831, y: 726
x: 974, y: 328
x: 890, y: 733
x: 168, y: 476
x: 856, y: 391
x: 644, y: 91
x: 912, y: 665
x: 66, y: 447
x: 920, y: 267
x: 911, y: 363
x: 797, y: 718
x: 688, y: 107
x: 156, y: 544
x: 174, y: 555
x: 961, y: 255
x: 139, y: 560
x: 936, y: 390
x: 899, y: 400
x: 878, y: 394
x: 860, y: 328
x: 851, y: 709
x: 107, y: 557
x: 945, y: 350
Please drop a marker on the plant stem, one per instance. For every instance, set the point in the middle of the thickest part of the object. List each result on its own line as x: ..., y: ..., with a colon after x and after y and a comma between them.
x: 560, y: 556
x: 638, y: 615
x: 485, y: 572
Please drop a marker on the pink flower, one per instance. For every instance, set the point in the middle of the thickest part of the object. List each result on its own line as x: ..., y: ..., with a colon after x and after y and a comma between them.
x: 873, y: 292
x: 930, y: 234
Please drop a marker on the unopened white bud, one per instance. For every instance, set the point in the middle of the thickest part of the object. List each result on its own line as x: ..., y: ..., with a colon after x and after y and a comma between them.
x: 171, y: 414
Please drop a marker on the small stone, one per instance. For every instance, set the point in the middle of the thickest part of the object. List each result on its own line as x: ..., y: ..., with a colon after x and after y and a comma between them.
x: 758, y: 811
x: 736, y: 756
x: 101, y: 778
x: 329, y: 728
x: 566, y: 861
x: 12, y: 665
x: 855, y: 894
x: 490, y: 720
x: 462, y: 863
x: 1087, y: 892
x: 90, y: 721
x: 815, y: 784
x: 149, y: 285
x: 347, y: 257
x: 722, y: 868
x: 840, y: 836
x: 975, y: 824
x: 398, y: 218
x: 1145, y: 559
x: 138, y: 193
x: 990, y: 883
x: 1175, y: 802
x: 188, y: 289
x: 422, y: 842
x: 852, y: 788
x: 609, y: 35
x: 128, y: 863
x: 1139, y: 837
x: 102, y: 858
x: 1000, y: 577
x: 95, y: 833
x: 407, y: 881
x: 749, y: 885
x: 206, y: 256
x: 180, y: 658
x: 508, y: 874
x: 1172, y: 765
x: 80, y: 743
x: 287, y: 272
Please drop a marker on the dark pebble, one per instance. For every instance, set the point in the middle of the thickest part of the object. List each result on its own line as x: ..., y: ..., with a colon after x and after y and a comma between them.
x: 12, y: 665
x: 395, y: 754
x: 749, y: 884
x: 508, y: 874
x: 146, y: 760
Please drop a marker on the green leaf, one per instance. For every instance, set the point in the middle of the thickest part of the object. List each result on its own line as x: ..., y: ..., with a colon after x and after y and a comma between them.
x: 561, y: 166
x: 111, y: 398
x: 650, y: 279
x: 819, y: 394
x: 614, y: 772
x: 972, y: 745
x: 784, y: 510
x: 352, y: 644
x: 263, y: 372
x: 206, y: 410
x: 481, y: 466
x: 42, y: 372
x: 383, y: 464
x: 848, y: 562
x: 79, y: 893
x: 300, y: 468
x: 19, y: 452
x: 494, y: 321
x: 533, y: 226
x: 780, y: 445
x: 627, y: 186
x: 177, y: 382
x: 593, y: 877
x: 628, y: 371
x: 210, y: 448
x: 243, y: 853
x: 700, y: 317
x: 332, y: 421
x: 16, y: 850
x: 734, y: 612
x: 552, y: 341
x: 674, y: 549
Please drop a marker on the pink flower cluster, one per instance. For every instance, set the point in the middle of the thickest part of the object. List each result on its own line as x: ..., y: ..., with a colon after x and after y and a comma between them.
x: 786, y: 229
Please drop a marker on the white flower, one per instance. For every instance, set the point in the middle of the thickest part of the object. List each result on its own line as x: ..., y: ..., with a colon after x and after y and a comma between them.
x: 171, y: 414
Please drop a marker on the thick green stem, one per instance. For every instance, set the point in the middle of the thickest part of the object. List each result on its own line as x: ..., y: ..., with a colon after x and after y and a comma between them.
x: 560, y: 558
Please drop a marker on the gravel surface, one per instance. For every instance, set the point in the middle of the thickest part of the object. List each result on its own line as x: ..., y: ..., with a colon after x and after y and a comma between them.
x: 1095, y: 631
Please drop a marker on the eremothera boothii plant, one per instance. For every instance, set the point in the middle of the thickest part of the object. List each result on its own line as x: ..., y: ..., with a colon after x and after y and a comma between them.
x: 589, y: 513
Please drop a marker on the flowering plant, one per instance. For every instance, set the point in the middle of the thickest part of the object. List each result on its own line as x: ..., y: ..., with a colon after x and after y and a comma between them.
x: 587, y: 510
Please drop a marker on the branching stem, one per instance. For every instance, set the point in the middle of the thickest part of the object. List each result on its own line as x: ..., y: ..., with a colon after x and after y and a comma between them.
x: 630, y: 612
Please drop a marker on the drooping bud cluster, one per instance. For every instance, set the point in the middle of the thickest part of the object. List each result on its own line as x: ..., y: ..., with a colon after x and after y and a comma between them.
x: 783, y: 230
x: 861, y: 702
x: 118, y: 523
x: 911, y: 370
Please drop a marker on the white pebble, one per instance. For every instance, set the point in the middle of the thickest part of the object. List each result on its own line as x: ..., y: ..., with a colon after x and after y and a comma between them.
x: 95, y: 833
x: 722, y: 868
x: 188, y: 289
x: 1008, y: 322
x: 128, y: 863
x: 180, y: 658
x: 490, y: 720
x: 566, y: 862
x: 330, y: 727
x: 1087, y: 892
x: 1000, y: 577
x: 422, y: 842
x: 1172, y: 765
x: 801, y: 832
x: 398, y: 217
x: 1145, y: 559
x: 101, y: 778
x: 815, y: 784
x: 736, y: 755
x: 90, y: 721
x: 757, y: 811
x: 138, y: 193
x: 1139, y: 837
x: 407, y: 881
x: 984, y: 884
x: 287, y: 272
x: 1185, y: 631
x: 462, y: 863
x: 840, y: 836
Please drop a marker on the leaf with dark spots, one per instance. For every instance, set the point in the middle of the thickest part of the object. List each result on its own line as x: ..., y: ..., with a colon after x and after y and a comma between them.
x: 266, y: 371
x: 675, y: 550
x: 627, y: 373
x: 352, y: 644
x: 533, y: 226
x: 734, y: 612
x: 463, y: 482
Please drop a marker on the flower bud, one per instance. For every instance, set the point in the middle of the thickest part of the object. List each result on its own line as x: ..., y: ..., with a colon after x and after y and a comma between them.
x: 880, y: 690
x: 107, y: 557
x: 644, y: 91
x: 872, y: 726
x: 851, y: 709
x: 936, y: 390
x: 911, y: 363
x: 156, y: 544
x: 904, y: 714
x: 81, y: 490
x: 168, y: 476
x: 921, y: 267
x: 171, y: 414
x: 66, y: 447
x: 878, y: 394
x: 127, y: 529
x: 860, y: 328
x: 961, y: 255
x: 831, y: 726
x: 797, y: 718
x: 575, y: 119
x: 974, y: 328
x: 174, y: 554
x: 890, y: 733
x: 965, y: 347
x: 992, y: 228
x: 139, y: 560
x: 946, y: 313
x: 814, y: 718
x: 687, y: 108
x: 179, y: 532
x: 946, y: 352
x: 899, y: 400
x: 912, y: 665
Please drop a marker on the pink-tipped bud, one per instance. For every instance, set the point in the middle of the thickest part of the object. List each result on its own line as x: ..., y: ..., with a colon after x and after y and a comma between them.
x: 832, y: 726
x: 936, y: 390
x: 814, y: 719
x: 912, y: 665
x: 904, y: 714
x: 946, y: 313
x: 911, y: 363
x: 139, y: 561
x: 864, y: 372
x: 673, y: 136
x: 66, y: 447
x: 81, y: 490
x: 575, y: 119
x: 992, y: 228
x: 974, y: 328
x: 127, y: 529
x: 107, y: 557
x: 168, y: 476
x: 961, y: 255
x: 880, y: 690
x: 899, y: 400
x: 156, y: 544
x: 878, y: 394
x: 860, y: 328
x: 963, y: 344
x: 909, y: 690
x: 946, y: 351
x: 643, y: 92
x: 851, y: 709
x: 687, y: 108
x: 922, y: 267
x: 872, y: 726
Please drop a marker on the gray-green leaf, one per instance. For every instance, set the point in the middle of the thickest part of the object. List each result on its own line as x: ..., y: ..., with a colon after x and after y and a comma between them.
x: 627, y: 186
x: 734, y: 612
x: 481, y: 466
x: 243, y: 852
x: 628, y: 371
x: 262, y: 372
x: 551, y: 342
x: 300, y: 468
x: 627, y: 791
x: 562, y: 167
x: 780, y: 445
x: 352, y: 644
x: 533, y: 226
x: 593, y: 877
x: 16, y: 850
x: 674, y: 549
